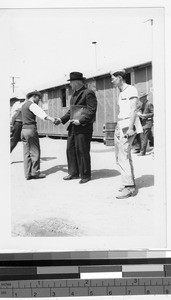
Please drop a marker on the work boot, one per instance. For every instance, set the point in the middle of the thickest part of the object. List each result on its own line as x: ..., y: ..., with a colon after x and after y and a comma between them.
x: 121, y: 188
x: 126, y: 193
x: 70, y: 177
x: 141, y: 154
x: 38, y: 176
x: 84, y: 180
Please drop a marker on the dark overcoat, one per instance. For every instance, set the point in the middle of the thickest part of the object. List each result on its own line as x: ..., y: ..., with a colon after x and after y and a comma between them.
x: 87, y: 98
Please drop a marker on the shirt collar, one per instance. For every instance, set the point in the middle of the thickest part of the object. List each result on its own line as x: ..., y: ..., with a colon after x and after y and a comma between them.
x: 81, y: 88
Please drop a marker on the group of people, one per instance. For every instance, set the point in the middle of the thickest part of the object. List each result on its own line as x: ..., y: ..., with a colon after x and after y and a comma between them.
x: 81, y: 116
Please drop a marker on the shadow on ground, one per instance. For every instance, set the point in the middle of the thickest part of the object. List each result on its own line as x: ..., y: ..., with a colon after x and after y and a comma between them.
x: 104, y: 173
x: 96, y: 174
x: 63, y: 168
x: 42, y: 159
x: 144, y: 181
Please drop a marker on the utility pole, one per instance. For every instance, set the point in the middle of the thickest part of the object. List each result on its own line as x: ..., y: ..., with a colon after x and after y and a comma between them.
x: 151, y: 21
x: 13, y: 83
x: 95, y: 43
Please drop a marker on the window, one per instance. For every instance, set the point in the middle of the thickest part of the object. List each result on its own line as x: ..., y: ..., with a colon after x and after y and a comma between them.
x: 128, y: 78
x: 63, y: 97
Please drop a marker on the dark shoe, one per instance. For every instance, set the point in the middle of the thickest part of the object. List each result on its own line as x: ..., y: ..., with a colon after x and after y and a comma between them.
x: 136, y: 151
x: 126, y: 193
x: 141, y: 154
x: 29, y: 177
x: 84, y: 180
x: 39, y: 176
x: 69, y: 177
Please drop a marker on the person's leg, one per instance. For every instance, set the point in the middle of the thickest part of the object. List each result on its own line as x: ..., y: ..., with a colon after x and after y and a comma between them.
x: 73, y: 168
x: 126, y: 168
x: 125, y: 161
x: 144, y: 140
x: 34, y: 148
x: 82, y: 141
x: 16, y: 135
x: 137, y: 144
x: 25, y: 134
x: 151, y: 138
x: 116, y: 144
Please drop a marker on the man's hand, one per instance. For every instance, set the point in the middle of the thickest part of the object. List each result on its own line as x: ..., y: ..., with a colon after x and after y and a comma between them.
x: 130, y: 132
x: 142, y: 116
x: 57, y: 121
x: 75, y: 122
x: 139, y: 114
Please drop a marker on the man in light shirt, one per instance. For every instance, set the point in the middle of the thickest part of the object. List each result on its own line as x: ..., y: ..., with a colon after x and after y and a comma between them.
x: 16, y: 122
x: 29, y: 135
x: 127, y: 127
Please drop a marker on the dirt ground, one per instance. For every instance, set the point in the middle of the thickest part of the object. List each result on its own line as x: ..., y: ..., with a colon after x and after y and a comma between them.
x: 54, y: 207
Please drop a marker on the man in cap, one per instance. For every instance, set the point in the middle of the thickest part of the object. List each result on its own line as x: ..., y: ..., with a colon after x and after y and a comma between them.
x: 125, y: 132
x: 29, y: 135
x: 16, y: 122
x: 146, y: 114
x: 81, y: 115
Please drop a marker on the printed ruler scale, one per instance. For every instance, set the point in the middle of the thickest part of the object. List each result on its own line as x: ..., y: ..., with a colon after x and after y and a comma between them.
x: 81, y: 274
x: 82, y: 288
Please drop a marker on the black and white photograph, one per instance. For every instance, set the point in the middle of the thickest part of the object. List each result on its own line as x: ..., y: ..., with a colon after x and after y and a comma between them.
x: 86, y: 126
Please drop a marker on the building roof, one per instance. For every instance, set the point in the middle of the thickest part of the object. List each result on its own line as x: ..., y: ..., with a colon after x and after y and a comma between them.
x: 99, y: 73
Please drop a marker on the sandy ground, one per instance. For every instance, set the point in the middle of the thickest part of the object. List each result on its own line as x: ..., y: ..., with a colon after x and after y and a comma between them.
x: 54, y: 207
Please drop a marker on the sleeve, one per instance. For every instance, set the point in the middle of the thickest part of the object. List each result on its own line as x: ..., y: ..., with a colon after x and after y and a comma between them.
x: 150, y: 111
x: 38, y: 111
x: 66, y: 117
x: 133, y: 93
x: 15, y: 111
x: 91, y: 107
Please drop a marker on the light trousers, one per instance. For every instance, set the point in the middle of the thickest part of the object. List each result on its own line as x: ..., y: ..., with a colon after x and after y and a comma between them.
x: 31, y: 151
x: 123, y: 147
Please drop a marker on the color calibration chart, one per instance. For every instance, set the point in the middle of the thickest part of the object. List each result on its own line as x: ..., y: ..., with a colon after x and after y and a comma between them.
x: 80, y: 274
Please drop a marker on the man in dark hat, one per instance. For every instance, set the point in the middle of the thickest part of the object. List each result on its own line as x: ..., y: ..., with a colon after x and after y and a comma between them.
x: 81, y: 115
x: 146, y: 114
x: 29, y: 135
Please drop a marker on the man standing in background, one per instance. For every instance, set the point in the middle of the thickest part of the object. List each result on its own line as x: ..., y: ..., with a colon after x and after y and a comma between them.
x: 16, y: 122
x: 146, y: 114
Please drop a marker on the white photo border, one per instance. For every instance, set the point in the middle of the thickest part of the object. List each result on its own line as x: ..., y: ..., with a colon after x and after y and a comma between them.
x: 161, y: 91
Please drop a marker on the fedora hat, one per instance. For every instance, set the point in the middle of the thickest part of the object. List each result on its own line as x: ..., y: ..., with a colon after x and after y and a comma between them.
x: 142, y: 94
x: 115, y: 71
x: 34, y: 93
x: 76, y: 76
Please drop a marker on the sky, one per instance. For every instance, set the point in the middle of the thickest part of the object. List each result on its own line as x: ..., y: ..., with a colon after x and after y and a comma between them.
x: 45, y: 45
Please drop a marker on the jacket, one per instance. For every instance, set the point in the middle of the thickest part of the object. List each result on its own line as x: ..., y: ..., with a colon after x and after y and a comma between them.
x: 87, y: 98
x: 147, y: 109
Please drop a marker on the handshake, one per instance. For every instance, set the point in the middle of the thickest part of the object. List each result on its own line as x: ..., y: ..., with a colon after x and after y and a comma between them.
x: 57, y: 121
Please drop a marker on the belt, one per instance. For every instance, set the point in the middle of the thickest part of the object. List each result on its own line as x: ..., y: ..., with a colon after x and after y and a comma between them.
x: 123, y: 119
x: 17, y: 120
